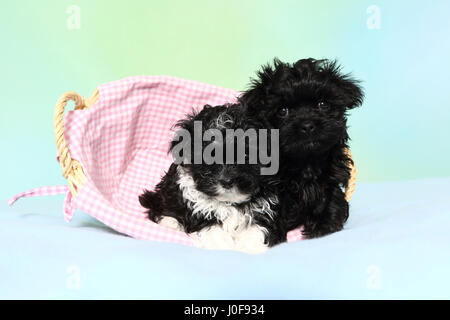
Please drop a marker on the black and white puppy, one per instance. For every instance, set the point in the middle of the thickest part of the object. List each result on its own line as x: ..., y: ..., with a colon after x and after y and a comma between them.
x: 222, y: 206
x: 308, y: 102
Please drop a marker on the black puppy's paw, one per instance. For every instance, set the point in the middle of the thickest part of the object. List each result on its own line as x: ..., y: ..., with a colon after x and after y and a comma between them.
x: 320, y: 229
x: 331, y: 219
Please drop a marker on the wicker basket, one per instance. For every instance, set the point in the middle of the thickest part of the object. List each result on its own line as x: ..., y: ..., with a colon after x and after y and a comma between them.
x: 72, y: 169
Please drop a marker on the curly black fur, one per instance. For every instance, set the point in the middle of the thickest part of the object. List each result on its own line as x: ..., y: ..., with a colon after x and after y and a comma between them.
x: 308, y: 101
x: 168, y: 200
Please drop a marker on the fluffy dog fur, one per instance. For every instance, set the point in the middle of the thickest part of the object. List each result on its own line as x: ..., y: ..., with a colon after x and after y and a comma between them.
x: 226, y: 206
x: 308, y: 101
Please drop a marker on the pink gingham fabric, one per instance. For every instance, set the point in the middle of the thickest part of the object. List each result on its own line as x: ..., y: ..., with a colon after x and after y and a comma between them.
x: 122, y: 143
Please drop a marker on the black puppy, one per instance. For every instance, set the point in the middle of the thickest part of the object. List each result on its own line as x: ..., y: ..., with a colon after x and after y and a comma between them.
x: 223, y: 205
x: 308, y: 102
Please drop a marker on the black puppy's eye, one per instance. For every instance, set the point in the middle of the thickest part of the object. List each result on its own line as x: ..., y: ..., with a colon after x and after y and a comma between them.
x: 283, y: 112
x: 323, y: 105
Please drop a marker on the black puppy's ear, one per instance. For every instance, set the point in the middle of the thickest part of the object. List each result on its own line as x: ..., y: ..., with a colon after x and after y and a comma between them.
x: 260, y: 86
x: 352, y: 94
x: 349, y: 90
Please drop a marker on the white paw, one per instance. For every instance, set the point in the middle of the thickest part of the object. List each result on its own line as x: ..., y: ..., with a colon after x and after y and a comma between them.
x: 213, y: 238
x: 251, y: 240
x: 170, y: 223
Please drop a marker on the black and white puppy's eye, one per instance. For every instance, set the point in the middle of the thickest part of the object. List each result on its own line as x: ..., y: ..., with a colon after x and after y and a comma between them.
x: 283, y: 112
x: 323, y: 105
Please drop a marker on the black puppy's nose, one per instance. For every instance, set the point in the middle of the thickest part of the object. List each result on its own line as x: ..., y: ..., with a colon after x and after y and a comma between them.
x: 307, y: 127
x: 227, y: 183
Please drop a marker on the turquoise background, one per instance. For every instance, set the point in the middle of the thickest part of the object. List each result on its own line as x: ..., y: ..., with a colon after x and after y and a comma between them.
x: 401, y: 132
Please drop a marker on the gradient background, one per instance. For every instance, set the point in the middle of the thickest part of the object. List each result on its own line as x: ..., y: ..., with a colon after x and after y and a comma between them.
x: 401, y: 132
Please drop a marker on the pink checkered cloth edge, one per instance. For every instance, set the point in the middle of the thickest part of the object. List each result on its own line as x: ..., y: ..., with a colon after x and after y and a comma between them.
x: 122, y: 142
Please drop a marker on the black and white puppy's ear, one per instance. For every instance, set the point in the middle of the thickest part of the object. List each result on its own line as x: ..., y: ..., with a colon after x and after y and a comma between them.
x: 348, y: 89
x: 185, y: 133
x: 182, y: 139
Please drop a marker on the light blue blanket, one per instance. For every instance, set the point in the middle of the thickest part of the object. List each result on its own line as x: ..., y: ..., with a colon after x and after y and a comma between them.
x: 396, y: 244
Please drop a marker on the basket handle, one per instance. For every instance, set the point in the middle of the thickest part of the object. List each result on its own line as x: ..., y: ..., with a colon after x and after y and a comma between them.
x: 71, y: 168
x: 350, y: 190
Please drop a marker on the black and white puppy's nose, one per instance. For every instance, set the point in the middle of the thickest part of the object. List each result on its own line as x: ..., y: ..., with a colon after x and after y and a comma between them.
x: 307, y: 127
x: 227, y: 183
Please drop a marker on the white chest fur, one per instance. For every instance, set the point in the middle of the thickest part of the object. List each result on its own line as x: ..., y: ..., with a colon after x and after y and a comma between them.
x: 237, y: 230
